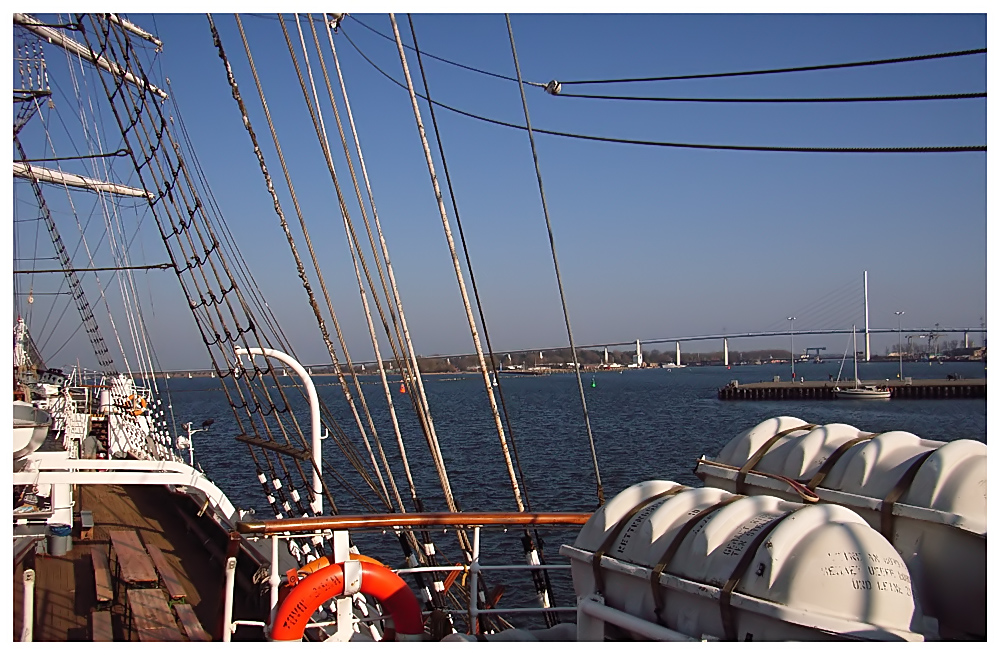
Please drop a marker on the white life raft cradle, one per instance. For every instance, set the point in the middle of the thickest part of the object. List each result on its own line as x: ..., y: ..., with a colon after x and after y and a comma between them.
x: 708, y: 564
x: 928, y: 498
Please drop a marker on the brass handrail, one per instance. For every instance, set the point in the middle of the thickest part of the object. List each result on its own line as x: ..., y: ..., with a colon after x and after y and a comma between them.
x: 426, y: 519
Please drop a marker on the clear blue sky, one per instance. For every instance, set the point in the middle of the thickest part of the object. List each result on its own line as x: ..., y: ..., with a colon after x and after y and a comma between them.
x: 653, y: 242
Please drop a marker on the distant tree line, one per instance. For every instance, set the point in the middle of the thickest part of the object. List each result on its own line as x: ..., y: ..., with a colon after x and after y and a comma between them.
x: 562, y: 358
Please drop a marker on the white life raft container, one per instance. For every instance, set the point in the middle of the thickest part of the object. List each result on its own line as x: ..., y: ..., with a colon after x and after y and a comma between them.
x: 714, y: 565
x: 927, y: 497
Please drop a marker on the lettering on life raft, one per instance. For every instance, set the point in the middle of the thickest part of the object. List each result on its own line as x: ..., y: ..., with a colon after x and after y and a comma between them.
x: 634, y: 524
x: 870, y: 571
x: 746, y: 534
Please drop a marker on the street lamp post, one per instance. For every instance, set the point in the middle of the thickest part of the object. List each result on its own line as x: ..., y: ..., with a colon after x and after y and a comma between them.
x: 791, y: 333
x: 899, y: 331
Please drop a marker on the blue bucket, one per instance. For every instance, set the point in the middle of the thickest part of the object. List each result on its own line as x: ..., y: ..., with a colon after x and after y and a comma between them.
x: 60, y: 539
x: 60, y: 530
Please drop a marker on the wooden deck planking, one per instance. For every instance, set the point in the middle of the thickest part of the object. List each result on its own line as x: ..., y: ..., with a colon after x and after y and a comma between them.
x: 152, y: 619
x: 135, y: 566
x: 65, y: 586
x: 102, y: 574
x: 167, y: 573
x: 100, y: 626
x: 190, y: 623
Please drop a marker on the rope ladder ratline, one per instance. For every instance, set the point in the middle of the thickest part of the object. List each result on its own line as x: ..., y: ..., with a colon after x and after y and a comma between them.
x: 555, y: 264
x: 207, y: 312
x: 86, y: 312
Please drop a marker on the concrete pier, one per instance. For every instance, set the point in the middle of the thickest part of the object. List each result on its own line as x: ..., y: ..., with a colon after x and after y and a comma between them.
x: 824, y: 390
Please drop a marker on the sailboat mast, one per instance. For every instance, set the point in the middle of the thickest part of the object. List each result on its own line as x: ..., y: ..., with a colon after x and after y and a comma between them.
x: 868, y: 337
x: 854, y: 331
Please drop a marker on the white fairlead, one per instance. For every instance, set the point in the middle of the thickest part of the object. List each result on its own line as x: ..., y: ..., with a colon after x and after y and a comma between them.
x: 317, y: 504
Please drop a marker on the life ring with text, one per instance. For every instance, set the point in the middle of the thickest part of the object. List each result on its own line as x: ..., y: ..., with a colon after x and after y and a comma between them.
x: 136, y: 405
x: 392, y: 592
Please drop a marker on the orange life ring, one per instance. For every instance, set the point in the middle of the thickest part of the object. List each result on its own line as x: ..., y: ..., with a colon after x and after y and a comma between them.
x: 320, y: 562
x: 320, y: 586
x: 136, y: 405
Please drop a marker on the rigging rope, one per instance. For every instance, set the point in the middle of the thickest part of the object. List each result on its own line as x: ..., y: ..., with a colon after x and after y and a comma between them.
x: 86, y: 313
x: 472, y: 275
x: 442, y: 59
x: 455, y: 263
x: 395, y: 306
x: 277, y: 206
x: 434, y: 447
x: 543, y: 585
x: 391, y: 292
x: 943, y: 96
x: 423, y: 412
x: 555, y: 264
x: 674, y: 144
x: 99, y: 268
x: 321, y: 136
x: 796, y: 69
x: 384, y: 497
x: 117, y: 153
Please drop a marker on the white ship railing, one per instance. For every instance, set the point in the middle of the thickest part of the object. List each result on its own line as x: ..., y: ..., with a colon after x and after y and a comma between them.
x: 278, y: 530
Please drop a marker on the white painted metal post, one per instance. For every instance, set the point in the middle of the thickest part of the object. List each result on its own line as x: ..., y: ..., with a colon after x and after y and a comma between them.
x: 275, y: 579
x: 589, y: 627
x: 227, y: 618
x: 474, y: 584
x: 677, y: 354
x: 317, y: 503
x: 725, y: 352
x: 28, y: 614
x: 345, y: 603
x: 868, y: 340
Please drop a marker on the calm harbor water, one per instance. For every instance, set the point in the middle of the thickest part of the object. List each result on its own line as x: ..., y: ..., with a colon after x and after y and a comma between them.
x: 647, y: 424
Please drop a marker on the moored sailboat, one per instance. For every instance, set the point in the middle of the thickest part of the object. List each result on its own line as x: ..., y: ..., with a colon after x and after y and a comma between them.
x: 860, y: 391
